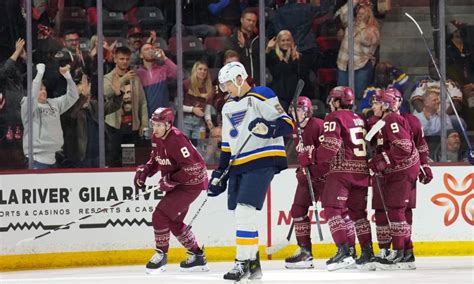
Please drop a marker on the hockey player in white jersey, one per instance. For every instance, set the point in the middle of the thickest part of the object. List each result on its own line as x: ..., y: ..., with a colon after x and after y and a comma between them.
x: 249, y: 111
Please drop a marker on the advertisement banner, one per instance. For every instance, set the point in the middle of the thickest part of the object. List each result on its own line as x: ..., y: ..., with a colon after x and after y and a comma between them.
x: 32, y: 204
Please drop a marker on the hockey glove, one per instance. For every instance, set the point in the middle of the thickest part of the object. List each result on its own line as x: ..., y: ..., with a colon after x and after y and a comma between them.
x: 425, y: 175
x: 304, y: 159
x: 379, y: 163
x: 166, y: 184
x: 140, y: 176
x: 262, y: 128
x: 215, y: 188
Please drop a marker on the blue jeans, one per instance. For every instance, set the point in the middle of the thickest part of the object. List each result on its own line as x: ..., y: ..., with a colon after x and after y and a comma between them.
x: 39, y: 166
x: 362, y: 77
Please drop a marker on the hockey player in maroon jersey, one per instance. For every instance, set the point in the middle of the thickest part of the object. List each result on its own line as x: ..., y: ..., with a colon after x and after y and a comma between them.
x: 183, y: 177
x: 396, y: 166
x: 306, y: 150
x: 424, y: 176
x: 343, y: 149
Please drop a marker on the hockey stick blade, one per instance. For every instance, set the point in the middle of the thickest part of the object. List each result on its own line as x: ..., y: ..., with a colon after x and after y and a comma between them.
x: 276, y: 248
x: 374, y: 130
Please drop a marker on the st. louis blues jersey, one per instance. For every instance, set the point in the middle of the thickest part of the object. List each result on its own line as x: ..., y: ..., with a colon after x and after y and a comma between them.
x: 237, y: 113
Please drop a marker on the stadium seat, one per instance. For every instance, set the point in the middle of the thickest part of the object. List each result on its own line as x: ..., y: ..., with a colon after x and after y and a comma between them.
x: 115, y: 24
x: 74, y: 18
x: 120, y: 41
x: 193, y: 49
x: 84, y: 44
x: 215, y: 48
x: 151, y: 19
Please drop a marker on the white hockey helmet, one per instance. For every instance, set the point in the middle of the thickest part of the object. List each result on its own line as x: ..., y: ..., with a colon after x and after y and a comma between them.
x: 230, y: 72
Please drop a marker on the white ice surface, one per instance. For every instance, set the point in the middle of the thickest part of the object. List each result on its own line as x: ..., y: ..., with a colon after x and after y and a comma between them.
x: 448, y: 270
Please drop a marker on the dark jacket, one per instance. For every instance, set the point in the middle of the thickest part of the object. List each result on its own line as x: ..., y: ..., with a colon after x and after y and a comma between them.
x: 249, y: 54
x: 75, y: 148
x: 298, y: 19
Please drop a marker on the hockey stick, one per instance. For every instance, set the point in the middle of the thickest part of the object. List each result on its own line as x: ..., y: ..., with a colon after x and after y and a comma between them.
x: 443, y: 83
x: 306, y: 171
x: 190, y: 224
x: 378, y: 126
x: 149, y: 190
x: 277, y: 247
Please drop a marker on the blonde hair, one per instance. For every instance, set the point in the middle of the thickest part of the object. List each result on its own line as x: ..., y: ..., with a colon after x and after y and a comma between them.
x: 285, y: 56
x: 194, y: 88
x: 372, y: 21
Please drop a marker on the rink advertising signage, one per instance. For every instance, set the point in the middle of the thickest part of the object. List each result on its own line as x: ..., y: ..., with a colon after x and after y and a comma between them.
x: 457, y: 198
x: 34, y: 203
x: 31, y: 204
x: 446, y: 202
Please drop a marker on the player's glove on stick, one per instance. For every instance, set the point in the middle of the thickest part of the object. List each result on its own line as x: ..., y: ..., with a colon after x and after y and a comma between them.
x: 425, y: 175
x: 166, y: 184
x: 140, y: 176
x: 215, y: 188
x: 379, y: 163
x: 304, y: 159
x: 262, y: 128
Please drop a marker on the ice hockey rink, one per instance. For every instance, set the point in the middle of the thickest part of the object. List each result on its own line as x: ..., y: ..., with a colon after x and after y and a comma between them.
x: 429, y: 270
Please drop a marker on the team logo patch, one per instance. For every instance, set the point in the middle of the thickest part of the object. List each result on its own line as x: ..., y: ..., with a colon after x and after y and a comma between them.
x: 235, y: 119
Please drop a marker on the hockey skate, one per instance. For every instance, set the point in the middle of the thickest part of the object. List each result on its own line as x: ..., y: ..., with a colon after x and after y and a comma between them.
x: 195, y: 262
x: 157, y: 263
x: 239, y: 271
x: 392, y: 261
x: 408, y: 262
x: 366, y: 261
x: 301, y: 259
x: 341, y: 260
x: 255, y: 268
x: 353, y: 254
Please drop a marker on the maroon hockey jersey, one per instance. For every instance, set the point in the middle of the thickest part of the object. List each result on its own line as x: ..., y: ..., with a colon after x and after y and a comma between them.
x: 418, y: 137
x: 395, y: 142
x: 312, y: 135
x: 343, y: 146
x: 176, y: 156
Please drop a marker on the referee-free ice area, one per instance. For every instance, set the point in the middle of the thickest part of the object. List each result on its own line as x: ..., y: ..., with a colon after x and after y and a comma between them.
x: 429, y: 270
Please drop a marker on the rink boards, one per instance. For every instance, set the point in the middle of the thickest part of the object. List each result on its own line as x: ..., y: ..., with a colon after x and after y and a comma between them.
x: 31, y: 204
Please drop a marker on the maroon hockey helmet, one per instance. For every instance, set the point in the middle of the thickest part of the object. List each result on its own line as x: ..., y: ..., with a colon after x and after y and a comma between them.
x: 344, y: 94
x: 304, y: 103
x: 162, y: 114
x: 388, y: 99
x: 395, y: 92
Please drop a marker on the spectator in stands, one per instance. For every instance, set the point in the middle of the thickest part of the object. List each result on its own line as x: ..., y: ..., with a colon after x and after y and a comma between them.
x: 12, y: 73
x: 366, y: 40
x: 135, y: 42
x: 285, y: 65
x: 453, y: 88
x: 154, y: 73
x: 459, y: 58
x: 198, y: 90
x: 454, y: 91
x: 297, y: 18
x: 84, y: 147
x: 468, y: 108
x: 47, y: 131
x: 245, y: 42
x: 386, y: 75
x: 453, y: 148
x: 80, y: 61
x: 139, y: 111
x: 429, y: 116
